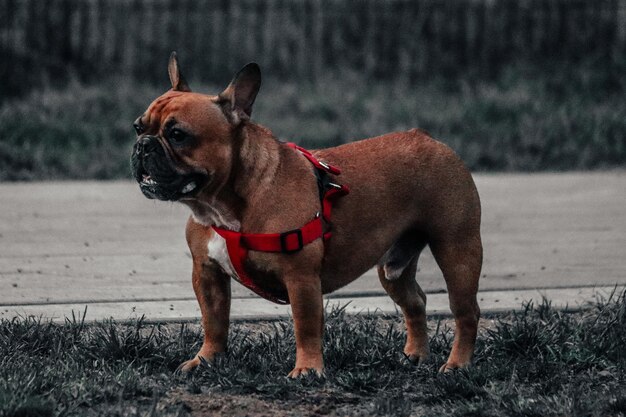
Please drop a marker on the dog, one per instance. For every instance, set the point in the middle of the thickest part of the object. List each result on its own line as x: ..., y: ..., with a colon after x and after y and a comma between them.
x: 245, y: 188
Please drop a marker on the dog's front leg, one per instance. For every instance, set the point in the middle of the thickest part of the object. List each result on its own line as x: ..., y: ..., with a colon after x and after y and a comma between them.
x: 212, y: 288
x: 305, y: 296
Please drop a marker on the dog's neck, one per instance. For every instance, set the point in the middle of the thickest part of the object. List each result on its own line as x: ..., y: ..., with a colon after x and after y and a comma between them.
x: 213, y: 212
x: 255, y: 162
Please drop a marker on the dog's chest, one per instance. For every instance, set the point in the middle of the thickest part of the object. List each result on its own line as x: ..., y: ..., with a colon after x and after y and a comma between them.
x: 218, y: 253
x: 265, y: 280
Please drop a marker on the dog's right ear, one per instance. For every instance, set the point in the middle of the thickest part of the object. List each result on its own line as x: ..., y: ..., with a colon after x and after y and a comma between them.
x: 176, y: 78
x: 237, y: 99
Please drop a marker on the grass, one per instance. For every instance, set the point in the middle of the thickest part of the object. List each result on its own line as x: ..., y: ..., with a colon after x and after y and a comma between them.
x: 553, y: 119
x: 537, y: 362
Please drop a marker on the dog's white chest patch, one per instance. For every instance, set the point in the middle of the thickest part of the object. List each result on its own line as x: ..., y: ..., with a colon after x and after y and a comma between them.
x: 219, y: 254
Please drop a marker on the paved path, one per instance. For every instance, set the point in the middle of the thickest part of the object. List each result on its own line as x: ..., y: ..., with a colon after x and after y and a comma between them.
x: 64, y: 245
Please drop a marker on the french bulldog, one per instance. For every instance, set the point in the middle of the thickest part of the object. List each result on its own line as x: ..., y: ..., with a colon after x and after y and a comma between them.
x: 406, y: 191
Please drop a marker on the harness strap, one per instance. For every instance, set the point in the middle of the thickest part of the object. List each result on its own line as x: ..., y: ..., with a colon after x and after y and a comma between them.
x: 238, y: 243
x: 318, y: 164
x: 286, y: 242
x: 330, y: 196
x: 237, y: 253
x: 329, y: 191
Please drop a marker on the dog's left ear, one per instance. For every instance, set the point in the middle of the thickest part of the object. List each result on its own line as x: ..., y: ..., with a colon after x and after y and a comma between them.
x: 176, y: 78
x: 240, y: 94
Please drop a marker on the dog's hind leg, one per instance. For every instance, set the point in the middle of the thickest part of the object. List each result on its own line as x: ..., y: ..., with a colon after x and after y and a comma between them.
x: 396, y: 271
x: 461, y: 262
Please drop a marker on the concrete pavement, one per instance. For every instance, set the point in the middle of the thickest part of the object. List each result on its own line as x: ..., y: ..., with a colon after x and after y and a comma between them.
x: 64, y: 245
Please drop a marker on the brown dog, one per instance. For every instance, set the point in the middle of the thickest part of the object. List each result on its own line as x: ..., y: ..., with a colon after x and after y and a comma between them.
x: 407, y: 191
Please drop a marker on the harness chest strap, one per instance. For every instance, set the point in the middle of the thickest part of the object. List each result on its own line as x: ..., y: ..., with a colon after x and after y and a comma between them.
x: 238, y: 243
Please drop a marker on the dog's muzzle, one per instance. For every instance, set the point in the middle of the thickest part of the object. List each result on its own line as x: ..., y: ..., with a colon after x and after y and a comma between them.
x: 158, y: 176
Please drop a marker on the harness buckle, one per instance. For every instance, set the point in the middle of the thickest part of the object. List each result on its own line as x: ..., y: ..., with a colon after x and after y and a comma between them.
x: 283, y: 241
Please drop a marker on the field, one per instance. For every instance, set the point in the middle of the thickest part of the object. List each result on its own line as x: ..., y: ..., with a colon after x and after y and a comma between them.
x: 525, y: 120
x: 538, y: 362
x: 511, y: 85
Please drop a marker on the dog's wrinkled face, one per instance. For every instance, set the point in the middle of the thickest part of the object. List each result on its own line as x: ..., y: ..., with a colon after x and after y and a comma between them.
x: 184, y: 139
x: 182, y: 146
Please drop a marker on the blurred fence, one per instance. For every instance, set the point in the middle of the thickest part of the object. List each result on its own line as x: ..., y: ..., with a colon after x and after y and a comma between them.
x: 46, y: 40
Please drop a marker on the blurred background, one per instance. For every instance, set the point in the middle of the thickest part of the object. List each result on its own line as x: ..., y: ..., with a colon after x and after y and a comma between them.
x: 511, y: 85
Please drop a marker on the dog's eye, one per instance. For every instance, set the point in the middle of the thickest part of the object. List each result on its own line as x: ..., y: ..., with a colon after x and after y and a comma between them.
x: 177, y: 136
x: 138, y: 128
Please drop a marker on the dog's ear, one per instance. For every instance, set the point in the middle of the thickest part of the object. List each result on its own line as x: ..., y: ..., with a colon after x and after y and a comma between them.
x: 176, y: 78
x: 239, y: 96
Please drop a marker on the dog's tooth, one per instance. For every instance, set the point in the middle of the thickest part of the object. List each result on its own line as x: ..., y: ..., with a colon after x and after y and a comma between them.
x: 189, y: 187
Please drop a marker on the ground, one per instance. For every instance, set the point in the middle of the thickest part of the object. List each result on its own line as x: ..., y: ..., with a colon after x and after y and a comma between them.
x: 536, y: 362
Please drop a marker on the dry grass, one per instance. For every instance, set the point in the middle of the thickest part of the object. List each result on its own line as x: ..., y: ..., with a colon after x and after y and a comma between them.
x: 538, y: 362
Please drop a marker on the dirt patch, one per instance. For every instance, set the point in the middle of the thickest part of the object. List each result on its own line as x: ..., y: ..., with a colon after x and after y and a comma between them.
x: 214, y: 403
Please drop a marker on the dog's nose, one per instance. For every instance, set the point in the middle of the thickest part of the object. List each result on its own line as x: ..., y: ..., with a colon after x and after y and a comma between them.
x: 145, y: 145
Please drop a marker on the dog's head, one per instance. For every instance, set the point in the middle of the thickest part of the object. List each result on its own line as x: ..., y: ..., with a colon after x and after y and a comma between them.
x: 185, y: 140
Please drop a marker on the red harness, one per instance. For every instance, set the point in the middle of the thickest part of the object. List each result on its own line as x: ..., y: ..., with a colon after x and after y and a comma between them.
x: 238, y: 244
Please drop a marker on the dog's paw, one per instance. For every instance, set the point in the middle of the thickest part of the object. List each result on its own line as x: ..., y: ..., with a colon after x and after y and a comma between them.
x: 417, y: 356
x: 451, y: 366
x: 301, y: 372
x: 189, y: 365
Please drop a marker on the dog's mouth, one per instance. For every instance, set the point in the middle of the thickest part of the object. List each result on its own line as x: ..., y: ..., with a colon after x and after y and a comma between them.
x: 159, y: 177
x: 158, y: 180
x: 147, y: 180
x: 172, y: 188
